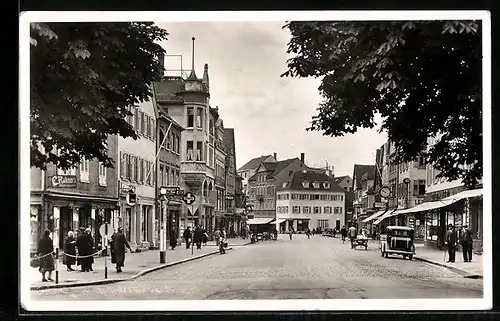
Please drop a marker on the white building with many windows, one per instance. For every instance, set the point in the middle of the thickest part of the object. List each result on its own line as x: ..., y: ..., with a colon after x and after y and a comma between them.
x: 309, y: 200
x: 137, y: 172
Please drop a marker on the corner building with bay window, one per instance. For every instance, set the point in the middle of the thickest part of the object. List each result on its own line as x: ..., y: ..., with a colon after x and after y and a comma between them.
x: 309, y: 200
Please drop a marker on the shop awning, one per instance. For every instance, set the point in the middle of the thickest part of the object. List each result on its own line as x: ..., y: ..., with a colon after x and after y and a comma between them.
x: 374, y: 216
x: 278, y: 221
x: 259, y: 221
x: 388, y: 214
x: 465, y: 194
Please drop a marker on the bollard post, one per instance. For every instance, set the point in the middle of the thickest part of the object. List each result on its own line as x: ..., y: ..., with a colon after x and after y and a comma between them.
x: 192, y: 245
x: 106, y: 261
x: 57, y: 265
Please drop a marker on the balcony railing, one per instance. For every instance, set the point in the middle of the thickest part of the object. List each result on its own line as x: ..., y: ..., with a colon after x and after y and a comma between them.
x: 193, y: 166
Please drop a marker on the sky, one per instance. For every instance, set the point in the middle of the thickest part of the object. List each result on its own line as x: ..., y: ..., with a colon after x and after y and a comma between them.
x: 269, y: 114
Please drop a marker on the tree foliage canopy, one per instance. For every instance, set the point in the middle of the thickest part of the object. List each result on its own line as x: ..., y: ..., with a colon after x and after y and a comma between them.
x: 83, y: 78
x: 422, y: 77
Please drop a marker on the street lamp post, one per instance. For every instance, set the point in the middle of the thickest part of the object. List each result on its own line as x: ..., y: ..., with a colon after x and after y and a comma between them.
x: 163, y: 225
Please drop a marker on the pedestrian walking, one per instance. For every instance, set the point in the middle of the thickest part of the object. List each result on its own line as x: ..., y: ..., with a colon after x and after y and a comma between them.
x: 45, y: 252
x: 343, y: 233
x: 290, y: 232
x: 451, y: 242
x: 222, y: 242
x: 205, y: 236
x: 334, y: 232
x: 353, y: 233
x: 69, y: 251
x: 187, y: 236
x: 466, y: 242
x: 217, y: 237
x: 173, y: 239
x: 308, y: 233
x: 198, y: 237
x: 275, y: 232
x: 119, y: 243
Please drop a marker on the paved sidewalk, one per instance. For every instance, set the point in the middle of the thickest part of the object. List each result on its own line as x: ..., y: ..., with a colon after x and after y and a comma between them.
x: 472, y: 269
x: 136, y: 264
x: 232, y: 242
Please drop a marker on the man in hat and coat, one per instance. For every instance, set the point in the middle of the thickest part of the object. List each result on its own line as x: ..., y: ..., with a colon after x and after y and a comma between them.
x: 466, y: 242
x: 198, y: 237
x: 450, y: 238
x: 119, y: 243
x: 83, y: 243
x: 187, y: 236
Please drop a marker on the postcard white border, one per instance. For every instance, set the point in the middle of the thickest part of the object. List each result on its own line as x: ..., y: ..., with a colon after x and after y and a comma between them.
x: 258, y: 305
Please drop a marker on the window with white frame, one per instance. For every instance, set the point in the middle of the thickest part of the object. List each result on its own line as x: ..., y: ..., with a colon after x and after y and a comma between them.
x: 84, y: 170
x: 317, y: 210
x: 69, y: 171
x: 328, y: 210
x: 305, y: 184
x: 322, y: 224
x: 102, y: 175
x: 337, y: 210
x: 316, y: 185
x: 326, y: 185
x: 296, y: 209
x: 306, y: 209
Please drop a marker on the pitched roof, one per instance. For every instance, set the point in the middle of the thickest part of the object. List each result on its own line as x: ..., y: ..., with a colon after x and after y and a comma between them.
x: 341, y: 178
x: 167, y: 88
x: 281, y: 165
x: 253, y: 163
x: 228, y: 139
x: 359, y: 171
x: 298, y: 177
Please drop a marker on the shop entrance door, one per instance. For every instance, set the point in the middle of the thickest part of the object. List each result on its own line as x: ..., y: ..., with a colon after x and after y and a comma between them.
x: 65, y: 224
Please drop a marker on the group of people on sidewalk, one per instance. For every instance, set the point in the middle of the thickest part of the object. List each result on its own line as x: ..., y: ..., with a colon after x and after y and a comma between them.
x: 78, y: 251
x: 463, y: 237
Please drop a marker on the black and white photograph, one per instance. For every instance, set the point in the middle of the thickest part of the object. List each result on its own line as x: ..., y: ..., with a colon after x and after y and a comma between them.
x: 236, y: 161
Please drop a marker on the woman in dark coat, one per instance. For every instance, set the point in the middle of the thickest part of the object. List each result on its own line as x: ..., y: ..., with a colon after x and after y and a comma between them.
x: 69, y: 249
x: 173, y: 239
x: 45, y: 250
x: 84, y: 249
x: 90, y: 240
x: 119, y: 244
x: 198, y: 237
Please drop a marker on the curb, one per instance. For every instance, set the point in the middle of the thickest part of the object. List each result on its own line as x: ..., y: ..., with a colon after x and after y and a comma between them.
x: 463, y: 273
x: 135, y: 276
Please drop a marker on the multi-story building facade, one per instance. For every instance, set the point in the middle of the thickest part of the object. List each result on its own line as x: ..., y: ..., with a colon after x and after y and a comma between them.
x: 85, y: 195
x: 263, y: 184
x: 234, y: 219
x: 137, y: 173
x: 168, y: 171
x: 465, y: 208
x: 220, y: 171
x: 308, y: 200
x: 250, y: 168
x: 188, y: 103
x: 363, y: 191
x: 345, y: 182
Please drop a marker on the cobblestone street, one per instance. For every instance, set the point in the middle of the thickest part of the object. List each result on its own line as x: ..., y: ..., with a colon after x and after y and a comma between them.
x: 316, y: 268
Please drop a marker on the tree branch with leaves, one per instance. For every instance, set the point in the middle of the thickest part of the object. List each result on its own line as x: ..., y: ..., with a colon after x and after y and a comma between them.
x: 422, y: 77
x: 84, y: 76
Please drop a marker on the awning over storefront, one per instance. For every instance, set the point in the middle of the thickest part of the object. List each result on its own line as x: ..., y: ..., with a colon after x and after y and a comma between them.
x: 465, y: 194
x: 427, y: 206
x: 374, y: 216
x: 259, y: 221
x: 388, y: 214
x: 278, y: 221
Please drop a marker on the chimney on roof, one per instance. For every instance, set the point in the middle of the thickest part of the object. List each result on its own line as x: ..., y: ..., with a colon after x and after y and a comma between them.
x: 161, y: 61
x: 275, y: 156
x: 302, y: 157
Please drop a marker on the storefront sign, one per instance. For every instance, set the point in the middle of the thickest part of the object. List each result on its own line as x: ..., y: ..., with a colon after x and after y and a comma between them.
x: 63, y: 181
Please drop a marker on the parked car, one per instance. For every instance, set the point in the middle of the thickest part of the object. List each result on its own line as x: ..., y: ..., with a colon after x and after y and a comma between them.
x: 327, y: 232
x: 398, y: 240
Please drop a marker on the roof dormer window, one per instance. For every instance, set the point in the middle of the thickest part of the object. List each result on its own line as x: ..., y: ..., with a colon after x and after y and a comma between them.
x: 285, y: 184
x: 316, y: 185
x: 326, y: 185
x: 305, y: 184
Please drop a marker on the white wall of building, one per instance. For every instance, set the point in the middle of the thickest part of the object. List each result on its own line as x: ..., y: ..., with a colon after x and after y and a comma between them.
x: 314, y: 218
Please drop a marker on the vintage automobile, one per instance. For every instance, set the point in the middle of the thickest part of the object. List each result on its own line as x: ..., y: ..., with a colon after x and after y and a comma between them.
x: 360, y: 240
x: 398, y: 240
x: 327, y: 232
